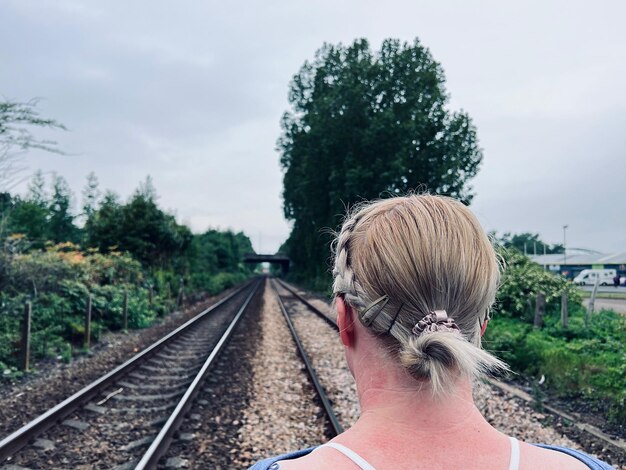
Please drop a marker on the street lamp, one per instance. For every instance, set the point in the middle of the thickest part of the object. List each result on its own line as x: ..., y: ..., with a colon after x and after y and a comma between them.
x: 564, y: 245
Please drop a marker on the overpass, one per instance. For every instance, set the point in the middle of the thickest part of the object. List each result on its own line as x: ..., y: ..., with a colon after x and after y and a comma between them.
x: 279, y: 258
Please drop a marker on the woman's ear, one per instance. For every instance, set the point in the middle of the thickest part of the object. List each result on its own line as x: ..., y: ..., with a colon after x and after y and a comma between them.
x: 483, y: 328
x: 345, y: 321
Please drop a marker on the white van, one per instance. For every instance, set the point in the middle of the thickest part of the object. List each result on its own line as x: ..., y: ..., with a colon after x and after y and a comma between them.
x: 587, y: 277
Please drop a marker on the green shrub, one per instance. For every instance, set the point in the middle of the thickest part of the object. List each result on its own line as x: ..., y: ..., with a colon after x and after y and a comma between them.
x: 576, y: 362
x: 523, y: 279
x: 59, y: 280
x: 579, y: 362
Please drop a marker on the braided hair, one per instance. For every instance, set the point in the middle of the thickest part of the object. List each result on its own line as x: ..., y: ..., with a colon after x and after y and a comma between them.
x: 397, y: 260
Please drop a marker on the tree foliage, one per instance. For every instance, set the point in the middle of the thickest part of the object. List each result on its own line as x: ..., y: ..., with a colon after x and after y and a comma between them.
x: 365, y: 125
x: 527, y: 243
x: 583, y: 361
x: 42, y: 215
x: 131, y: 248
x: 139, y: 227
x: 61, y: 226
x: 91, y: 195
x: 17, y: 120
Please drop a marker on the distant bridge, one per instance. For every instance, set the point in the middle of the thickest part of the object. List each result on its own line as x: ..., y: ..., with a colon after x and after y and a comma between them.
x: 279, y: 258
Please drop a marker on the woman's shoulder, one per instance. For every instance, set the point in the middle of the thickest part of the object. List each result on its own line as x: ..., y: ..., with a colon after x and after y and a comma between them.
x: 586, y: 459
x: 270, y: 463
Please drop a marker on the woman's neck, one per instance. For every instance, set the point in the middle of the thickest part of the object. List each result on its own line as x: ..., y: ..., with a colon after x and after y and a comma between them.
x: 400, y: 424
x: 392, y: 400
x: 418, y: 412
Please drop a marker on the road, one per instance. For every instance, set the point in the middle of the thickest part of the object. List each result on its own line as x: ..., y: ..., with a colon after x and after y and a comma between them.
x: 609, y: 289
x: 619, y: 305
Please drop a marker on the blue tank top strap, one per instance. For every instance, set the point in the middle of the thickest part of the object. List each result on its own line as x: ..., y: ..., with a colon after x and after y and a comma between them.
x: 591, y: 462
x: 267, y: 464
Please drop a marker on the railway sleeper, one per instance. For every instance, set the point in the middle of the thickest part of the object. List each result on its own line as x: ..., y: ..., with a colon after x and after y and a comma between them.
x: 165, y: 396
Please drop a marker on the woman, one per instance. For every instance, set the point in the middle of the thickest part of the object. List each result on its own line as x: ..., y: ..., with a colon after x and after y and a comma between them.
x: 414, y: 280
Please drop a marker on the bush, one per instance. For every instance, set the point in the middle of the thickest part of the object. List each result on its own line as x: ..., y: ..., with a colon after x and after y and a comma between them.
x: 577, y: 362
x: 522, y: 280
x: 58, y: 282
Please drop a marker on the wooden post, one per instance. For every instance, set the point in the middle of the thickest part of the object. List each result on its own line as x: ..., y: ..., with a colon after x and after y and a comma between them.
x: 28, y: 310
x: 150, y: 294
x: 540, y: 308
x: 87, y: 341
x: 564, y: 310
x: 180, y: 302
x: 592, y: 302
x: 125, y: 310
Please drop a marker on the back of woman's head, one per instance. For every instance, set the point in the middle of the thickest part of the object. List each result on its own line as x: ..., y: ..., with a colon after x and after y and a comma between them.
x: 398, y: 260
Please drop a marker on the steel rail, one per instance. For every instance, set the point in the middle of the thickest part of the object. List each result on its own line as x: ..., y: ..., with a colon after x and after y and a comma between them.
x: 162, y: 441
x: 319, y: 388
x: 588, y: 428
x: 20, y: 438
x: 312, y: 307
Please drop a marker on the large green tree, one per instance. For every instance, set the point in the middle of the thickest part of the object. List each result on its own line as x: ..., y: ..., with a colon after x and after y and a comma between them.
x: 364, y: 125
x: 61, y: 226
x: 139, y: 227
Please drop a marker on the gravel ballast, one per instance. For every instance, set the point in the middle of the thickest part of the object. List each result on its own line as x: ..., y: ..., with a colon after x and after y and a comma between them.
x: 282, y: 414
x: 257, y: 399
x: 326, y: 353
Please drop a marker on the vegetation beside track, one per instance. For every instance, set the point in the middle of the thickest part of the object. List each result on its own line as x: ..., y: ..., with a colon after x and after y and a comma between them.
x: 578, y: 362
x: 111, y: 251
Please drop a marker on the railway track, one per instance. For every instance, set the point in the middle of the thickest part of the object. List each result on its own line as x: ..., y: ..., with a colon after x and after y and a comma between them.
x: 128, y: 417
x: 324, y: 362
x: 335, y: 427
x: 222, y: 429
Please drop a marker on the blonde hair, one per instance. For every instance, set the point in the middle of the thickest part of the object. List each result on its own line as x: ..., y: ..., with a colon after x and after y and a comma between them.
x: 420, y: 253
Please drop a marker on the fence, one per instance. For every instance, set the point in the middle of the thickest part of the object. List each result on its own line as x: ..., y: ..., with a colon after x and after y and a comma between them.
x: 24, y: 344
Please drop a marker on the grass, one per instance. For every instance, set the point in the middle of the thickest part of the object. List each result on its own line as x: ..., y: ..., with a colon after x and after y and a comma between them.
x: 604, y: 295
x: 579, y: 362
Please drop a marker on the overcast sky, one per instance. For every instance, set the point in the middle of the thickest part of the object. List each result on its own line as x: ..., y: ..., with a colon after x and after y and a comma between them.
x: 192, y: 92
